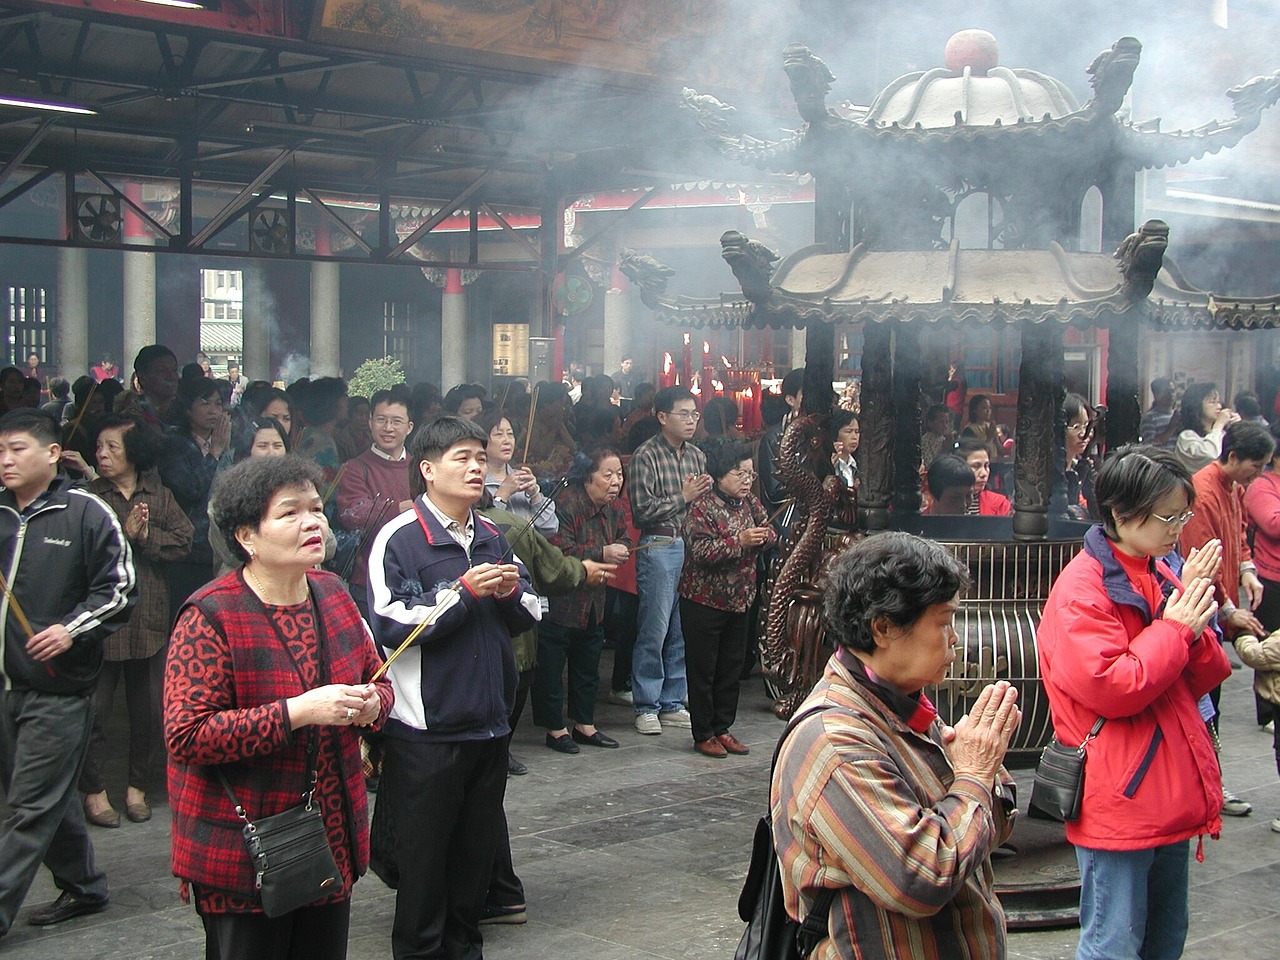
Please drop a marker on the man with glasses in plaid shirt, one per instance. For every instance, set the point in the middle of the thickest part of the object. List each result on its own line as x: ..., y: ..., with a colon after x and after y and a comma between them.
x: 667, y: 474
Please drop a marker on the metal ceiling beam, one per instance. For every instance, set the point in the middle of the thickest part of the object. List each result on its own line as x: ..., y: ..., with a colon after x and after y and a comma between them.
x: 24, y: 151
x: 233, y: 209
x: 510, y: 231
x: 342, y: 224
x: 26, y: 185
x: 443, y: 214
x: 159, y: 229
x: 612, y: 225
x: 204, y: 86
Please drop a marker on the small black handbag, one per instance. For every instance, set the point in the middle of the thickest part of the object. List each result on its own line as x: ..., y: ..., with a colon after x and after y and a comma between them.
x: 293, y: 863
x: 1059, y: 783
x: 771, y: 934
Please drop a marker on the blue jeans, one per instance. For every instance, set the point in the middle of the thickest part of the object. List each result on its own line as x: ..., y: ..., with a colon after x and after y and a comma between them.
x: 657, y: 664
x: 1133, y: 903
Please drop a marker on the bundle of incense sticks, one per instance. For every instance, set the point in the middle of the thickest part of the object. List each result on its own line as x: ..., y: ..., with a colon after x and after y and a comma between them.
x: 432, y: 617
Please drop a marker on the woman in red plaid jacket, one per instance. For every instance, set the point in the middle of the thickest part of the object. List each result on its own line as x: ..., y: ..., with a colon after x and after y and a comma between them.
x: 262, y: 661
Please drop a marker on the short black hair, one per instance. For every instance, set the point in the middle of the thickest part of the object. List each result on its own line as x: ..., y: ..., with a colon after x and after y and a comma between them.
x: 937, y: 410
x: 454, y: 399
x: 1248, y: 440
x: 247, y: 433
x: 974, y: 402
x: 1246, y: 404
x: 1192, y: 399
x: 241, y: 495
x: 968, y: 445
x: 149, y: 355
x: 41, y: 426
x: 719, y: 416
x: 1160, y: 384
x: 189, y: 391
x: 320, y: 399
x: 399, y: 394
x: 665, y: 400
x: 142, y: 447
x: 724, y: 456
x: 895, y: 576
x: 793, y: 382
x: 948, y: 471
x: 838, y: 419
x: 488, y: 422
x: 434, y: 440
x: 1133, y: 479
x: 59, y: 388
x: 586, y: 462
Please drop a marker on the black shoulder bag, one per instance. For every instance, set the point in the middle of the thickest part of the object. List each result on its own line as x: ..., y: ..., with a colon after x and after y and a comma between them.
x: 292, y: 861
x: 1059, y: 783
x: 771, y: 934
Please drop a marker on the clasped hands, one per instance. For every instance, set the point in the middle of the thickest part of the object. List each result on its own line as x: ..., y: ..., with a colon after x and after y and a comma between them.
x: 979, y: 740
x: 335, y: 704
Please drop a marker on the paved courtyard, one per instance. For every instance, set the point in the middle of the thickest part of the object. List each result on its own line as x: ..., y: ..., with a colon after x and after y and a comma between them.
x: 640, y: 853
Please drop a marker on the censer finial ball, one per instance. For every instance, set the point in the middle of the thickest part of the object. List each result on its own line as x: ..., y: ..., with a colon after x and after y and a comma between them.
x: 975, y: 49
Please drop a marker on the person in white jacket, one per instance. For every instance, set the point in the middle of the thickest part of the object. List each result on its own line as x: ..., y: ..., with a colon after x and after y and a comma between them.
x: 1204, y: 418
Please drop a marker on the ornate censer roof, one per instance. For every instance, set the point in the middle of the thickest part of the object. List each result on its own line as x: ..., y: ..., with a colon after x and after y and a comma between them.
x: 971, y: 90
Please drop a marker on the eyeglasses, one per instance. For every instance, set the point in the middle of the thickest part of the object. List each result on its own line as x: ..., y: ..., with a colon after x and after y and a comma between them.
x: 687, y: 415
x: 1084, y: 429
x: 1179, y: 521
x: 389, y: 421
x: 742, y: 474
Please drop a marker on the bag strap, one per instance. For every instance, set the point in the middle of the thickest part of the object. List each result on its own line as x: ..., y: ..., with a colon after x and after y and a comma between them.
x: 813, y: 928
x: 1093, y: 732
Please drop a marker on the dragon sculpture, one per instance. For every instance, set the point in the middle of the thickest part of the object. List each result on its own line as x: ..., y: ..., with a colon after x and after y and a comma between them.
x: 646, y: 273
x: 791, y: 654
x: 1140, y: 257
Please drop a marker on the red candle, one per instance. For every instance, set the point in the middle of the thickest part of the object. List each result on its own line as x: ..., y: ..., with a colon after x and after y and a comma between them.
x: 686, y: 365
x: 668, y: 373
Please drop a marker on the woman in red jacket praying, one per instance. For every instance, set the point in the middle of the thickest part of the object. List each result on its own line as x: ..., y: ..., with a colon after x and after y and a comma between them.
x: 1124, y: 642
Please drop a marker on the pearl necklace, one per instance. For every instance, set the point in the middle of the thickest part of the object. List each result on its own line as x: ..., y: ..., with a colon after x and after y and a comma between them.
x: 262, y: 591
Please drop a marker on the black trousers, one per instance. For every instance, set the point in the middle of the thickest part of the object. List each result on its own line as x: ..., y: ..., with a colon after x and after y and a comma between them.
x: 505, y: 888
x: 43, y: 738
x: 620, y: 612
x: 580, y: 649
x: 308, y: 933
x: 444, y: 804
x: 143, y: 689
x: 715, y: 643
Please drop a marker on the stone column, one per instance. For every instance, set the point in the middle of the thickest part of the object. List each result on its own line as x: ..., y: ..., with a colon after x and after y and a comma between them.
x: 617, y: 339
x: 259, y: 321
x: 875, y: 450
x: 325, y: 329
x: 797, y: 349
x: 453, y: 331
x: 139, y: 275
x: 1038, y: 453
x: 73, y: 312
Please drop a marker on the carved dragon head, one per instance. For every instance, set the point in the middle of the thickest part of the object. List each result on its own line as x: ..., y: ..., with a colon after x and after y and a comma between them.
x: 1252, y: 97
x: 1111, y: 74
x: 646, y: 273
x: 1140, y: 257
x: 713, y: 116
x: 751, y: 262
x: 810, y: 81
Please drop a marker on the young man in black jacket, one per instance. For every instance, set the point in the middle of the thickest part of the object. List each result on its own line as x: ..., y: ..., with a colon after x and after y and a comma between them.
x: 71, y: 584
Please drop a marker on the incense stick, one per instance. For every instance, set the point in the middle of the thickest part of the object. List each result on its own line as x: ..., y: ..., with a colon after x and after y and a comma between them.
x: 75, y: 424
x: 456, y: 587
x: 17, y: 608
x: 777, y: 513
x: 653, y: 543
x: 333, y: 485
x: 528, y: 436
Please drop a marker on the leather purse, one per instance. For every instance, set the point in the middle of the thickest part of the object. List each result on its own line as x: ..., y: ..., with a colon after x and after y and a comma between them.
x: 1059, y: 783
x: 293, y: 863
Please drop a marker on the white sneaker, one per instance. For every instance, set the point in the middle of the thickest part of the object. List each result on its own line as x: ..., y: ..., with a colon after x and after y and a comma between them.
x: 676, y: 718
x: 648, y: 724
x: 1275, y: 826
x: 622, y: 698
x: 1270, y: 727
x: 1233, y: 806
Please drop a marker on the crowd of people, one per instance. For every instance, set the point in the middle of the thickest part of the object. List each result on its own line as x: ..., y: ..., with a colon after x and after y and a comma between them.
x: 312, y: 594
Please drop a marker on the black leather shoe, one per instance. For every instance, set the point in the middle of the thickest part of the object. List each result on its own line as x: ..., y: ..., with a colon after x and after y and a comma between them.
x: 562, y: 744
x: 64, y: 908
x: 596, y: 739
x: 515, y: 768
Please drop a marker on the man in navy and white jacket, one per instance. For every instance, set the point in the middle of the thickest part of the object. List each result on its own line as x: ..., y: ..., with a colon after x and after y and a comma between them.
x: 70, y: 571
x: 439, y: 812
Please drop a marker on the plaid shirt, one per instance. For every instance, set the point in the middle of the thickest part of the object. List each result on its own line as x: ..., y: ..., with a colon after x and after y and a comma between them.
x: 585, y: 530
x: 656, y: 481
x: 168, y: 538
x: 864, y: 800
